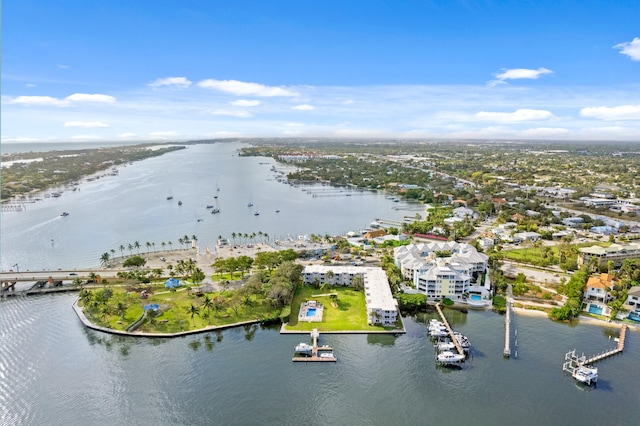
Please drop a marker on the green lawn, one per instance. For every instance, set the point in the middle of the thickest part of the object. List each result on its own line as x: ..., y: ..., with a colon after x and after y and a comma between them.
x: 350, y: 315
x: 174, y: 310
x: 533, y: 256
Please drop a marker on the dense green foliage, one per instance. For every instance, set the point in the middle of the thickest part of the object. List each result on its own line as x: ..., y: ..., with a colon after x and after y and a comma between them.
x: 573, y: 289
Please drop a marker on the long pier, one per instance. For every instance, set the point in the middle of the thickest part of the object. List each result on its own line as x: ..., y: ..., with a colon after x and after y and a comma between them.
x: 507, y: 331
x: 574, y: 363
x: 453, y: 337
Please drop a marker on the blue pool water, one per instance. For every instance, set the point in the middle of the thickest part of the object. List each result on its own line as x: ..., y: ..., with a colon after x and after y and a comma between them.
x: 475, y: 297
x: 634, y: 316
x: 311, y: 312
x: 593, y: 309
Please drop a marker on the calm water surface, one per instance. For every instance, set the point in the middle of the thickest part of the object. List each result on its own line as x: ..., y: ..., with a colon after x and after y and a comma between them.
x: 119, y: 210
x: 54, y: 371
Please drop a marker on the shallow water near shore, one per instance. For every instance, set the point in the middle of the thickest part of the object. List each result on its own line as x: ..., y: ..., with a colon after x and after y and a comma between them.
x: 55, y: 371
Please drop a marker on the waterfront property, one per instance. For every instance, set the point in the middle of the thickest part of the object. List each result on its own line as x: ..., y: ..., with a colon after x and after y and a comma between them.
x: 444, y: 269
x: 381, y: 307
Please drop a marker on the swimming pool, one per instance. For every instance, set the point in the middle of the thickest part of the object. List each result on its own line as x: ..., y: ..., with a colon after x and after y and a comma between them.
x: 594, y: 309
x: 311, y: 312
x: 475, y: 297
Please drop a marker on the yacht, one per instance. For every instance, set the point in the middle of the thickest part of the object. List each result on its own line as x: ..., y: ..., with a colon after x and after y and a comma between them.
x: 586, y: 374
x: 449, y: 358
x: 304, y: 348
x: 328, y: 355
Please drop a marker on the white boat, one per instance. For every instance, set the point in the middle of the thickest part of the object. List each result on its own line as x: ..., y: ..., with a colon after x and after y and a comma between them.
x: 446, y: 346
x: 586, y: 374
x: 449, y: 358
x: 438, y: 332
x: 328, y: 355
x: 304, y: 348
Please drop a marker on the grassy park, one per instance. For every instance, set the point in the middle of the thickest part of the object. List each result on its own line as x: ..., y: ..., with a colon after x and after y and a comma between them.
x: 178, y: 310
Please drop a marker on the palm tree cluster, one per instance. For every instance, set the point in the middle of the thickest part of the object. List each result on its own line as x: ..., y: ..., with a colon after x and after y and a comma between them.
x: 262, y: 237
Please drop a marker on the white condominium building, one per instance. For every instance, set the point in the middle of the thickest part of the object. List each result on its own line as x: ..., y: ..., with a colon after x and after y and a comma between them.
x: 382, y: 308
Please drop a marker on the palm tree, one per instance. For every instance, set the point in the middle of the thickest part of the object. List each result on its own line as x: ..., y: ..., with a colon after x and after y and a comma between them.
x: 207, y: 304
x: 233, y: 237
x: 194, y: 238
x: 113, y: 253
x: 137, y: 246
x: 170, y: 245
x: 266, y: 237
x: 260, y: 235
x: 193, y: 311
x: 130, y: 247
x: 121, y: 309
x: 104, y: 259
x: 181, y: 241
x: 154, y: 247
x: 186, y: 241
x: 163, y: 245
x: 148, y: 244
x: 121, y: 250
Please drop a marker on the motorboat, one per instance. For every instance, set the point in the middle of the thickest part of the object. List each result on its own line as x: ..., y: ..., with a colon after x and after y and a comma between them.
x: 65, y: 214
x: 328, y: 355
x: 438, y: 332
x: 586, y: 374
x: 256, y: 214
x: 214, y: 211
x: 304, y: 348
x: 446, y: 346
x: 169, y: 198
x: 209, y: 206
x: 449, y: 358
x: 179, y: 203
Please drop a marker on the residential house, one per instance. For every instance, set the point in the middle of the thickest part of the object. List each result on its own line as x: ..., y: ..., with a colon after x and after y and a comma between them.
x: 598, y: 288
x: 602, y: 255
x: 633, y: 297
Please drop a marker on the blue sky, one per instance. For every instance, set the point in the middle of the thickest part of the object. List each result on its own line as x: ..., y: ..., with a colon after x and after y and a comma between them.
x: 184, y: 69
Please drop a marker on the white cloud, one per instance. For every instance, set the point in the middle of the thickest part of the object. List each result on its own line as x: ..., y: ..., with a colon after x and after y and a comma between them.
x: 245, y: 103
x: 86, y: 97
x: 348, y: 102
x: 622, y: 112
x: 85, y: 137
x: 241, y: 88
x: 63, y: 67
x: 545, y: 132
x: 231, y: 113
x: 126, y: 135
x: 163, y: 135
x: 630, y: 48
x: 86, y: 124
x: 50, y: 101
x: 37, y: 100
x: 304, y: 107
x: 20, y: 140
x: 181, y: 82
x: 516, y: 116
x: 293, y: 124
x: 30, y: 85
x: 519, y: 73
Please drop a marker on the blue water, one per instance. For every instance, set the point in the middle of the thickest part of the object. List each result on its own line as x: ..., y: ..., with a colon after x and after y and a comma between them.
x: 311, y: 312
x: 593, y: 309
x: 475, y: 297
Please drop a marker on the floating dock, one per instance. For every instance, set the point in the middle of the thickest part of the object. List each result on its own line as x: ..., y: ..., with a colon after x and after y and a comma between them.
x: 316, y: 351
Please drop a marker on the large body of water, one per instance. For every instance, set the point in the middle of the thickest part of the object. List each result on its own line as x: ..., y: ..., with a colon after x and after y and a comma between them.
x: 54, y: 371
x: 119, y: 210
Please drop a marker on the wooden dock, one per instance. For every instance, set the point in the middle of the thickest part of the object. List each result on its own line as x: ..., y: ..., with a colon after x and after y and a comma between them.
x: 574, y: 362
x: 606, y: 354
x: 449, y: 330
x: 315, y: 352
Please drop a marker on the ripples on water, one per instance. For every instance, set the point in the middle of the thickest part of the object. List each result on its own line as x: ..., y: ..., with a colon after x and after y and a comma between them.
x: 54, y: 371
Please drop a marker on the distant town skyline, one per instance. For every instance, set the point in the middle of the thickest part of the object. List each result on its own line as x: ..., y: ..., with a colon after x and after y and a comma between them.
x: 177, y: 70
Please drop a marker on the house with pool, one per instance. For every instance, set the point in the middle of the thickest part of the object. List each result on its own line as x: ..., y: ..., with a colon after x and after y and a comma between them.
x: 382, y: 308
x: 597, y: 292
